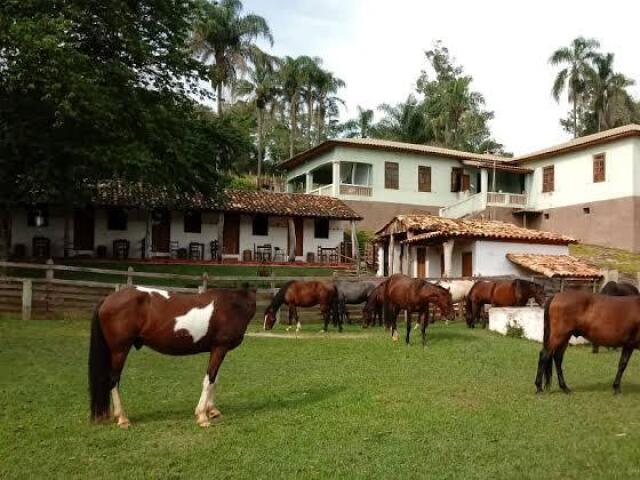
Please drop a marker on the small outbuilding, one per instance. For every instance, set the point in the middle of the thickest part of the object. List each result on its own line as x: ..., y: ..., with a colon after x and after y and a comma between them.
x: 432, y: 246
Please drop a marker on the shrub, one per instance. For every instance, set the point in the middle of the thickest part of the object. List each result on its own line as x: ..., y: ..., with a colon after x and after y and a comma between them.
x: 514, y: 330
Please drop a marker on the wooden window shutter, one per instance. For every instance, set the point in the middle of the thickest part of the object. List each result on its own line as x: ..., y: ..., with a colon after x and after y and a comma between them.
x: 466, y: 183
x: 424, y: 179
x: 599, y: 168
x: 391, y: 179
x: 548, y: 179
x: 456, y: 174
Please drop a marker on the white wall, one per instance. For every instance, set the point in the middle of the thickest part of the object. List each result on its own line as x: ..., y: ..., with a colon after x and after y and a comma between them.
x: 574, y: 176
x: 489, y: 258
x: 531, y: 319
x: 136, y: 231
x: 21, y: 233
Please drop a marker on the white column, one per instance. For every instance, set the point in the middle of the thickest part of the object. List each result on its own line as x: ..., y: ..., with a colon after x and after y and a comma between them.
x: 308, y: 182
x: 335, y: 179
x: 391, y: 254
x: 447, y: 248
x: 381, y: 260
x: 292, y: 240
x: 220, y: 233
x: 397, y: 267
x: 484, y: 180
x: 148, y: 235
x: 354, y: 244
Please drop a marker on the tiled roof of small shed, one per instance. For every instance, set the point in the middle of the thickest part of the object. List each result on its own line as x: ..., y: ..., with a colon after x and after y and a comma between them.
x: 562, y: 266
x: 430, y: 227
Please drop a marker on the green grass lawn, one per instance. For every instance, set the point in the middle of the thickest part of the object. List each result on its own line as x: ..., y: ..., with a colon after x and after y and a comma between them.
x: 626, y: 262
x: 355, y: 406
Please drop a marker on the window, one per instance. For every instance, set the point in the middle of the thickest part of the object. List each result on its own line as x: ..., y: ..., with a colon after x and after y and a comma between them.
x: 117, y: 219
x: 321, y: 227
x: 424, y: 179
x: 548, y: 179
x: 546, y: 216
x: 586, y: 210
x: 456, y: 179
x: 38, y: 217
x: 261, y: 225
x: 391, y: 178
x: 192, y: 221
x: 599, y: 168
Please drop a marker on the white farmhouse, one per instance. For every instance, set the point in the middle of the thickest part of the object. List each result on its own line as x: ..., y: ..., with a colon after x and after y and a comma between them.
x: 588, y: 188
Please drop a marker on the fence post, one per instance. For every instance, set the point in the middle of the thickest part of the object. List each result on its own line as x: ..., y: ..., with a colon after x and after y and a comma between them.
x: 27, y: 296
x: 129, y: 276
x: 205, y: 281
x: 273, y: 280
x: 50, y: 272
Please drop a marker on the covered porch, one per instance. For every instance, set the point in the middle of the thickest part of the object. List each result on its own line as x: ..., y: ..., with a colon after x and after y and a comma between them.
x: 352, y: 179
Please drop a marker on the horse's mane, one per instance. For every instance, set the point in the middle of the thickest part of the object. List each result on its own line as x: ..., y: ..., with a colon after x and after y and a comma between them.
x: 430, y: 284
x: 278, y: 298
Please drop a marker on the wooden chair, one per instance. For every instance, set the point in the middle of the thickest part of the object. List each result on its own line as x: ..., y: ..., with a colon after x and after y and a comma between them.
x: 196, y: 251
x: 121, y: 249
x: 214, y: 249
x: 174, y: 246
x: 41, y: 247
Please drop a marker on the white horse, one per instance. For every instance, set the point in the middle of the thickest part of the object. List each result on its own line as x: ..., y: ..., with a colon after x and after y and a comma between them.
x: 459, y: 289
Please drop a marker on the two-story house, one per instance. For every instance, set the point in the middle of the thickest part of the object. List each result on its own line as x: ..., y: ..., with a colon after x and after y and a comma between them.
x: 588, y: 188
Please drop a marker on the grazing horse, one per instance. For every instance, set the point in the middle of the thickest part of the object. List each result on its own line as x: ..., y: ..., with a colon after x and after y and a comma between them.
x: 604, y: 320
x: 297, y: 293
x: 616, y: 289
x: 354, y: 293
x: 413, y: 295
x: 506, y: 293
x: 214, y: 321
x: 372, y: 309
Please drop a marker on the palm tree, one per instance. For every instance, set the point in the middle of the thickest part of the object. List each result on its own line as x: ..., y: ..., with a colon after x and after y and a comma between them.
x: 576, y: 60
x: 291, y: 78
x: 404, y: 122
x: 223, y: 34
x: 326, y: 88
x: 608, y: 91
x: 311, y: 72
x: 260, y: 86
x: 359, y: 126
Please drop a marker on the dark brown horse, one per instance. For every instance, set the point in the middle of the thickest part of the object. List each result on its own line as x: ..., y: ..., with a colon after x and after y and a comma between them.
x: 505, y: 293
x: 214, y: 321
x: 372, y: 309
x: 297, y: 293
x: 602, y: 319
x: 413, y: 295
x: 616, y: 289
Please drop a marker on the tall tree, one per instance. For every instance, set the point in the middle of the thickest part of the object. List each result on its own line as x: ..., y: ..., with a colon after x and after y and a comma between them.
x: 224, y: 34
x: 359, y: 126
x: 611, y: 102
x: 326, y: 89
x: 102, y: 90
x: 576, y: 62
x: 292, y: 78
x: 403, y: 122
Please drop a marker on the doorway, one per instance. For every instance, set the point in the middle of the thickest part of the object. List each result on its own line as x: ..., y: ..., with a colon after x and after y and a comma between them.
x: 422, y: 261
x: 467, y: 264
x: 160, y: 231
x: 231, y: 234
x: 84, y: 227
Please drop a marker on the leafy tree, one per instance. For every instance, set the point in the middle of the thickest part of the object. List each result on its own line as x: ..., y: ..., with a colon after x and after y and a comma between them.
x: 359, y: 126
x: 404, y: 122
x: 223, y: 34
x: 576, y: 61
x: 90, y: 91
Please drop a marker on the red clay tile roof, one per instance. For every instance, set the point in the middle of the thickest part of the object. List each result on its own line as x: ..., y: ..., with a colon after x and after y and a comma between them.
x: 269, y: 203
x: 288, y: 204
x: 558, y: 266
x: 429, y: 227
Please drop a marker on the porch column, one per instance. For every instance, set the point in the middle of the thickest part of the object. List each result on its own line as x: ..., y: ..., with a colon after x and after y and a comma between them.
x: 381, y: 260
x: 484, y: 180
x: 391, y: 254
x: 220, y: 233
x: 397, y: 266
x: 292, y: 240
x: 335, y: 179
x: 447, y: 248
x: 355, y: 248
x: 308, y: 182
x: 148, y: 235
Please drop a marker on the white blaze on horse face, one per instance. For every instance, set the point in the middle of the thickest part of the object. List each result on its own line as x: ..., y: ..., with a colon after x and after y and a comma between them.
x: 162, y: 293
x: 195, y: 321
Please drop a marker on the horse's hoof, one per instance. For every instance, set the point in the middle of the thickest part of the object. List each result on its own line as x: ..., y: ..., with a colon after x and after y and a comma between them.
x: 214, y: 413
x: 124, y: 423
x: 539, y: 391
x: 205, y: 424
x: 617, y: 391
x: 566, y: 390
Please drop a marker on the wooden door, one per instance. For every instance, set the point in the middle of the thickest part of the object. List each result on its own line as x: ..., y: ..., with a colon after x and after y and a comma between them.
x: 299, y: 223
x: 467, y: 264
x: 422, y: 262
x: 466, y: 183
x: 161, y: 231
x: 84, y: 227
x: 231, y: 234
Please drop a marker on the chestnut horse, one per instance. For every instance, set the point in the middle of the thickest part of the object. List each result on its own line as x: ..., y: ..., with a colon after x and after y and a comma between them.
x: 413, y: 295
x: 297, y: 293
x: 604, y: 320
x: 505, y: 293
x: 214, y: 321
x: 372, y: 309
x: 616, y: 289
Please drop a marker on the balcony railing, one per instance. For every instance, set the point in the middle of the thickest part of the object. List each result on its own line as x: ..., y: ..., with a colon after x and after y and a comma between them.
x: 345, y: 189
x: 480, y: 201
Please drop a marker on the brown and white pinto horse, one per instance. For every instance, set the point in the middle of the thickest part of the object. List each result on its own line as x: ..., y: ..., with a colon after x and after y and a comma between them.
x: 413, y: 295
x: 214, y: 321
x: 297, y: 293
x: 611, y: 321
x: 505, y: 293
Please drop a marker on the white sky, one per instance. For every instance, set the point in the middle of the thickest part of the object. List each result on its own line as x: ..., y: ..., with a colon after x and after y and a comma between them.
x: 378, y: 47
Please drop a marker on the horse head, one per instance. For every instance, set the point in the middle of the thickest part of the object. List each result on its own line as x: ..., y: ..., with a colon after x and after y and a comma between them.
x: 269, y: 319
x: 443, y: 300
x: 526, y: 290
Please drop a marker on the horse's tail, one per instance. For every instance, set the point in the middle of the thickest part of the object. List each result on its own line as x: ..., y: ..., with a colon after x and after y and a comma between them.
x: 548, y: 371
x: 99, y: 370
